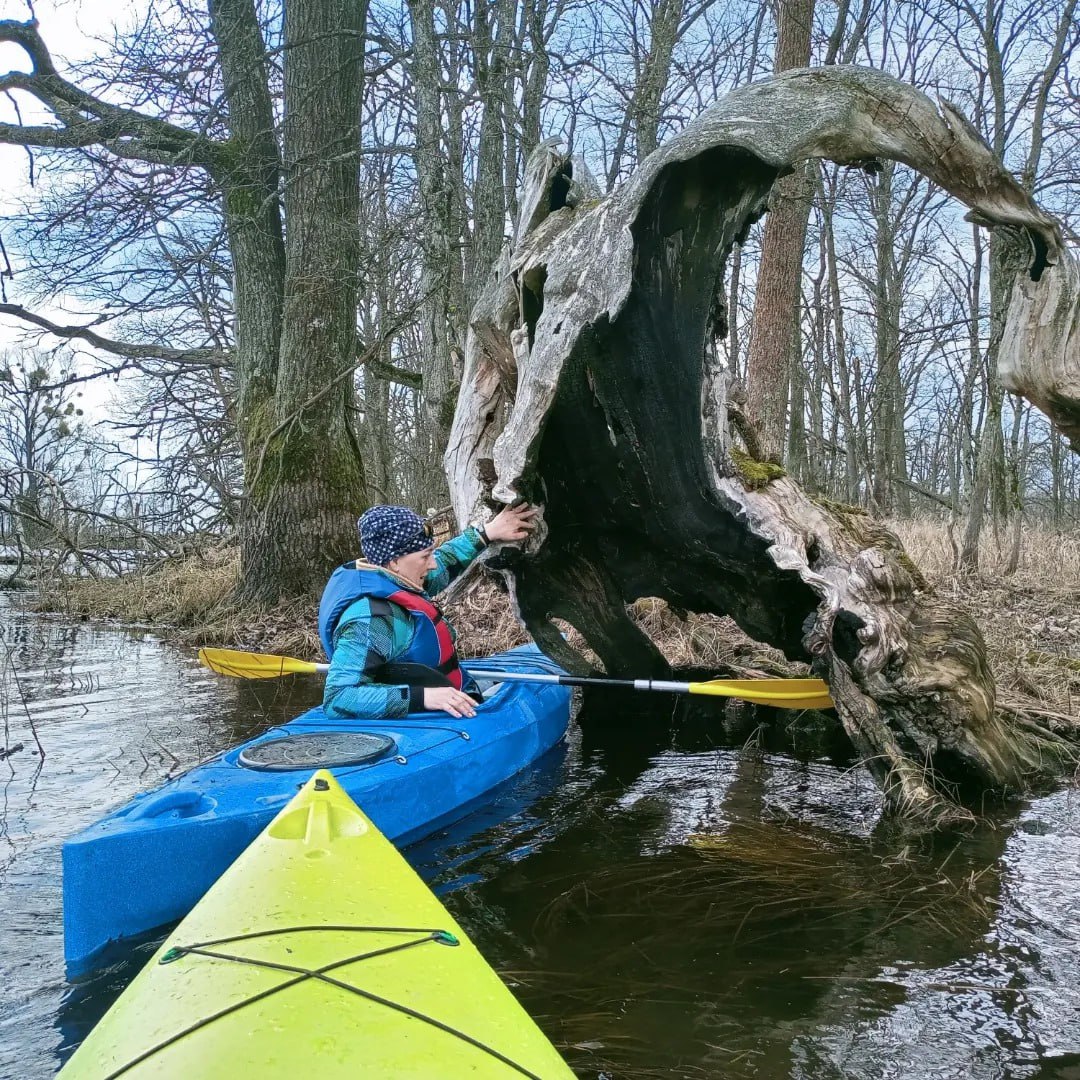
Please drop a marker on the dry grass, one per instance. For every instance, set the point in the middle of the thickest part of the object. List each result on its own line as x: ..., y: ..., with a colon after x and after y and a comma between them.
x: 708, y: 642
x: 176, y: 592
x: 1030, y: 619
x: 484, y: 620
x: 486, y: 623
x: 193, y: 598
x: 1047, y: 557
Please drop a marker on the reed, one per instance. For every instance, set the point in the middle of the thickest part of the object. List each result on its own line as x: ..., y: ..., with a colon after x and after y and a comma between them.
x: 1030, y: 619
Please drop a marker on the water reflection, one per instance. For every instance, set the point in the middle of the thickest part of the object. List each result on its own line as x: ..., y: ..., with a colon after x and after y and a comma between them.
x: 708, y: 910
x: 683, y: 890
x: 116, y: 713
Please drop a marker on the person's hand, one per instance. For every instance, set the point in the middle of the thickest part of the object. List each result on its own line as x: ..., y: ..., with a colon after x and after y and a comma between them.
x: 447, y: 699
x: 513, y: 523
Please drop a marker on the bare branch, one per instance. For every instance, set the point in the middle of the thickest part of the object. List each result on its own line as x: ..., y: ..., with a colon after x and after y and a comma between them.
x: 131, y: 350
x: 87, y: 120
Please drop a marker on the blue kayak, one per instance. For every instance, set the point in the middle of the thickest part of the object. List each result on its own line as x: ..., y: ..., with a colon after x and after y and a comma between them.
x: 148, y: 863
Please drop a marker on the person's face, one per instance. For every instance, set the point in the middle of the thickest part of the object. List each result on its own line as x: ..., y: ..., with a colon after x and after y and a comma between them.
x: 415, y: 566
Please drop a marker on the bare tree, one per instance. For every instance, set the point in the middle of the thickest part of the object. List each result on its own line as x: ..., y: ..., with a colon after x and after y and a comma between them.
x: 40, y: 418
x: 604, y: 430
x: 294, y: 300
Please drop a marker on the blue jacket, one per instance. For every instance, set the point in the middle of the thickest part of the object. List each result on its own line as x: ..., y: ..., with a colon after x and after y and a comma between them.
x: 431, y: 643
x: 360, y: 635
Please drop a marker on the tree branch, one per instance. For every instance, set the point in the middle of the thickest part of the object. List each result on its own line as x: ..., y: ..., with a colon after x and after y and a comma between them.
x: 391, y: 372
x: 131, y: 350
x: 85, y: 119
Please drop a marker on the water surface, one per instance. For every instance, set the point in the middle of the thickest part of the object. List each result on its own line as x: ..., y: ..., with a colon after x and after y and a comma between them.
x: 677, y: 892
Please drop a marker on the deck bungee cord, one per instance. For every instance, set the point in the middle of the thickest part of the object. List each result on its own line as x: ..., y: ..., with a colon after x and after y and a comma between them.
x: 441, y: 937
x: 314, y: 950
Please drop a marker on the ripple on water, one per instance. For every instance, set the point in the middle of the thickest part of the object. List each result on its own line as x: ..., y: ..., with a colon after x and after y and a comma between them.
x: 673, y: 893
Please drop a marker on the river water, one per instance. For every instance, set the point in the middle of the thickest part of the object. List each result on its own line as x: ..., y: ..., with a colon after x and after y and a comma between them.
x: 679, y: 891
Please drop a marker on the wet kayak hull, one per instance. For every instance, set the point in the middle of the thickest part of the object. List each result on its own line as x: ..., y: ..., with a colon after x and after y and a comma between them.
x: 146, y: 864
x: 319, y: 951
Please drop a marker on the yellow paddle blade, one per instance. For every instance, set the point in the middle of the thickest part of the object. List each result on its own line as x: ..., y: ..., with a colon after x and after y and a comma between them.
x: 779, y: 693
x: 246, y: 665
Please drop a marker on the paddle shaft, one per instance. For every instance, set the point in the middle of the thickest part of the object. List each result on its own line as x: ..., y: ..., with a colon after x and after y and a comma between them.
x: 783, y: 699
x: 579, y: 680
x: 569, y: 680
x: 780, y: 693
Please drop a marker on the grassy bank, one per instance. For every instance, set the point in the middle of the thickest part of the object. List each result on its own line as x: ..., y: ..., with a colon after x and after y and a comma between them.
x: 1031, y: 619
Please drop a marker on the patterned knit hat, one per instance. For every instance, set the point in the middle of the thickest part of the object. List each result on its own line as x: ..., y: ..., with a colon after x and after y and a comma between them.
x: 388, y: 532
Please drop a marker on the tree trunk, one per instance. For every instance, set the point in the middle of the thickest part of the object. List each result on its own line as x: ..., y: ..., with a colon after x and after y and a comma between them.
x: 888, y: 410
x: 771, y: 354
x: 596, y: 338
x: 1017, y: 463
x: 252, y: 215
x: 491, y: 44
x: 537, y: 64
x: 654, y: 75
x: 1005, y: 261
x: 852, y: 455
x: 305, y: 477
x: 441, y: 253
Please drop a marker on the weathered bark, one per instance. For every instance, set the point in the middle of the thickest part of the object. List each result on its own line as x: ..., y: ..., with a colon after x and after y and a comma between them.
x: 1039, y: 354
x: 772, y: 354
x: 1050, y: 374
x: 594, y: 342
x: 307, y: 478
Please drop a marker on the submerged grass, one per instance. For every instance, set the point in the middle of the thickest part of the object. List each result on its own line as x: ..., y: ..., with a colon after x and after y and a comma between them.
x: 777, y: 876
x: 753, y: 923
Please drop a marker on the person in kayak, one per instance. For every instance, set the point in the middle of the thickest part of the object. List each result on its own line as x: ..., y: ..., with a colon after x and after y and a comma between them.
x: 379, y: 610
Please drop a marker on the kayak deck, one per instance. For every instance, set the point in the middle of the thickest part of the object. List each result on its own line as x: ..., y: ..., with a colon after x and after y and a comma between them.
x: 319, y: 951
x: 146, y: 864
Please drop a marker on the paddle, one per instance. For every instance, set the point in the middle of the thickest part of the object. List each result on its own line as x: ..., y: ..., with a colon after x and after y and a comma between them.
x: 778, y: 693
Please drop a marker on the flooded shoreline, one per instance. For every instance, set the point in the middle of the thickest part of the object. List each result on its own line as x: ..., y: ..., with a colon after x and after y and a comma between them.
x: 676, y: 892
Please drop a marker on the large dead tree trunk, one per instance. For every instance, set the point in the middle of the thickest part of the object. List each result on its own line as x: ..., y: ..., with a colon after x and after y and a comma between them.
x: 582, y: 392
x: 1039, y: 354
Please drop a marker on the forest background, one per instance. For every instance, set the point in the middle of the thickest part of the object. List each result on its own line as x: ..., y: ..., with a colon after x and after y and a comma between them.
x: 267, y: 226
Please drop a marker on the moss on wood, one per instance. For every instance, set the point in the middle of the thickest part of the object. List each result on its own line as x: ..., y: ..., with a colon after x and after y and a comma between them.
x: 754, y: 474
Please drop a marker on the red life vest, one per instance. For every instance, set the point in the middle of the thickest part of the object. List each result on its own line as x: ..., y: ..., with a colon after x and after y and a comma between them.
x: 432, y: 643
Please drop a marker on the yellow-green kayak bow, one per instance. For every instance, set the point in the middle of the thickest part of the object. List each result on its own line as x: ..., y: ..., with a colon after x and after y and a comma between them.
x: 319, y: 952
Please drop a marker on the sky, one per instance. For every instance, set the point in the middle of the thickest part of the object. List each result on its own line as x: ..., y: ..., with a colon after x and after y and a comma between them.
x: 69, y: 28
